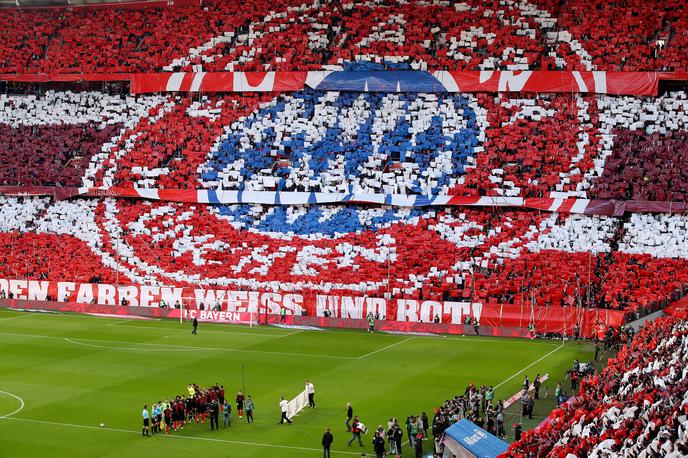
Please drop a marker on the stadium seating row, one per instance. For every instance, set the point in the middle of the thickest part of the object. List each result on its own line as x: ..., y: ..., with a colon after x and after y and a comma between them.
x: 636, y: 407
x: 510, y: 257
x: 291, y: 35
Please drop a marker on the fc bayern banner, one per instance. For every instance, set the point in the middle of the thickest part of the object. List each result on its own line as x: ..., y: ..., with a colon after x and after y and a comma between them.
x: 536, y: 81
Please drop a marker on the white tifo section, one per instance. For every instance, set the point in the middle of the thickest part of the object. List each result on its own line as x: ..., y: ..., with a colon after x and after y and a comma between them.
x: 662, y: 236
x: 72, y: 108
x: 73, y: 217
x: 18, y: 213
x: 297, y: 404
x: 578, y: 233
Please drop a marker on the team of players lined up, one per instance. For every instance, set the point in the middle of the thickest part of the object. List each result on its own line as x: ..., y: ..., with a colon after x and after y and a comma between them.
x: 199, y: 405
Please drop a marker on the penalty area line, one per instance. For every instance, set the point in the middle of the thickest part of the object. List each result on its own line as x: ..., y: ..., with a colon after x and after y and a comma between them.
x: 172, y: 436
x: 386, y: 348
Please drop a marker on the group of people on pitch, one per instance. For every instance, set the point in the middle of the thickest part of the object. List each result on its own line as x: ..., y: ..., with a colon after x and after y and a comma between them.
x: 199, y: 404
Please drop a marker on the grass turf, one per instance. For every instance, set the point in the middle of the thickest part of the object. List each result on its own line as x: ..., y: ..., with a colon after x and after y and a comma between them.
x: 73, y: 372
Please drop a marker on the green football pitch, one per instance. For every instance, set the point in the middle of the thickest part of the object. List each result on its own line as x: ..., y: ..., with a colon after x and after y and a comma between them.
x: 61, y: 376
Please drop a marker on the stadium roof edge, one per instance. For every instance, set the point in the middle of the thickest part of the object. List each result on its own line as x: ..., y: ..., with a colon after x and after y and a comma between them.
x: 59, y: 4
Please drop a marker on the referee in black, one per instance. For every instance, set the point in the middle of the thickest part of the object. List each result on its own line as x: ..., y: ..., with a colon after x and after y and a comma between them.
x: 195, y: 326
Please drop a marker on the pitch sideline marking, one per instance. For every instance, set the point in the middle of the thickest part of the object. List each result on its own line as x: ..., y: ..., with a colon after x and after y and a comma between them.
x: 387, y: 347
x: 530, y: 365
x: 21, y: 315
x: 236, y: 350
x: 21, y: 406
x: 207, y: 439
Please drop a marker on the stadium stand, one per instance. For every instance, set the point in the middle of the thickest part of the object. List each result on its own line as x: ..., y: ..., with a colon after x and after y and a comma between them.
x: 50, y: 140
x: 635, y: 407
x: 221, y: 35
x: 510, y: 257
x: 533, y: 146
x: 504, y: 145
x: 584, y: 147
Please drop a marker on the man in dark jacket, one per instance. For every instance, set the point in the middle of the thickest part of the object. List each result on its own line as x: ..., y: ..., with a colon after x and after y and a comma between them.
x: 379, y: 444
x: 327, y: 440
x: 349, y: 416
x: 397, y: 435
x: 214, y: 415
x: 195, y: 326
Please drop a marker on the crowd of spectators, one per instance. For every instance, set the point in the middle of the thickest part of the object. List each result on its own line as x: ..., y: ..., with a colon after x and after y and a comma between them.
x: 293, y: 35
x: 636, y: 407
x: 536, y: 146
x: 510, y: 257
x: 52, y: 139
x: 476, y: 404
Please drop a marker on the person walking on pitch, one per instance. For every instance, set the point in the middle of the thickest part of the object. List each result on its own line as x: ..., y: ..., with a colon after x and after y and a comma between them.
x: 195, y: 326
x: 284, y: 406
x: 356, y: 432
x: 349, y: 416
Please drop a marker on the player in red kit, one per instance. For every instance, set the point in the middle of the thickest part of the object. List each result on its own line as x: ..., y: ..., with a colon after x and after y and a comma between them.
x: 167, y: 413
x: 240, y: 404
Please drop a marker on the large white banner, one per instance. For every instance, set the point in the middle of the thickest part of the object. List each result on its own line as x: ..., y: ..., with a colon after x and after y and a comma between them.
x: 297, y: 404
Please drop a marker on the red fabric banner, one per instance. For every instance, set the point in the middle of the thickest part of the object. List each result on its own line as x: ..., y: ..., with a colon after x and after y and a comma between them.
x: 485, y: 329
x: 559, y: 320
x: 628, y: 83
